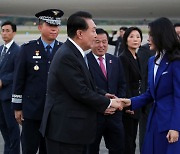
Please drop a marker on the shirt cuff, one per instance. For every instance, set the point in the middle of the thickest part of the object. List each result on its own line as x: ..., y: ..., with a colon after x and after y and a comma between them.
x: 109, y: 104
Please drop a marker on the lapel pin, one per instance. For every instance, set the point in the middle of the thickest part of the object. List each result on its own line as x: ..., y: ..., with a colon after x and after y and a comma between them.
x: 110, y: 61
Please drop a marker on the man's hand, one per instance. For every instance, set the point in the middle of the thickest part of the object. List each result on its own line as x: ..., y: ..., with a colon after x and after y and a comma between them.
x: 19, y: 116
x: 172, y: 136
x: 109, y: 111
x: 117, y: 103
x: 111, y: 96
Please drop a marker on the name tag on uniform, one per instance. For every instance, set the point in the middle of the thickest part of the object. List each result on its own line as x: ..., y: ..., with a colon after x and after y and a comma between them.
x: 36, y: 57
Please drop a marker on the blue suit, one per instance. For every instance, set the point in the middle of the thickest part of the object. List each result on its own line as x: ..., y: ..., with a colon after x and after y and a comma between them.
x: 109, y: 126
x: 165, y: 112
x: 8, y: 125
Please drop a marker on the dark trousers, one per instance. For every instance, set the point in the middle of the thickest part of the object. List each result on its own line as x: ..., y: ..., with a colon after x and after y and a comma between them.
x: 111, y: 128
x: 130, y: 127
x: 9, y: 129
x: 32, y: 140
x: 55, y: 147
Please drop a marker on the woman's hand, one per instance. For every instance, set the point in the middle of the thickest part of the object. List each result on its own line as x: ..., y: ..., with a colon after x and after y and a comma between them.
x: 172, y: 136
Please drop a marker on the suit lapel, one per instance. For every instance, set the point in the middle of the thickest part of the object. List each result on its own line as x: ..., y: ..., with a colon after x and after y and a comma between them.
x: 109, y: 64
x: 40, y: 48
x: 56, y: 47
x: 132, y: 60
x: 151, y: 76
x: 43, y: 51
x: 1, y: 47
x: 82, y: 61
x: 162, y: 66
x: 94, y: 64
x: 7, y: 55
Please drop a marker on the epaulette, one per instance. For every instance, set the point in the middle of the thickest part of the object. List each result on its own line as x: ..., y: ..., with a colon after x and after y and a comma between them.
x: 30, y: 42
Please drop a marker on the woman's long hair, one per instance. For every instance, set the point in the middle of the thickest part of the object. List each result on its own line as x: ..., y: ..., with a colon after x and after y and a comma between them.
x: 165, y: 38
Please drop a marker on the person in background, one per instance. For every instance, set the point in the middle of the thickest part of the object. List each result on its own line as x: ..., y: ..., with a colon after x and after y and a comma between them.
x: 162, y: 132
x: 8, y: 59
x: 132, y: 40
x: 70, y: 115
x: 119, y: 46
x: 177, y: 28
x: 109, y: 126
x: 30, y: 80
x: 144, y: 53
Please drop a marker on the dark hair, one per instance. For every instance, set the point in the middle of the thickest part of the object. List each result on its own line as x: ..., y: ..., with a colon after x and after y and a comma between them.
x: 13, y: 26
x: 127, y: 33
x: 165, y: 38
x: 123, y: 28
x: 176, y: 25
x: 101, y: 31
x: 77, y: 22
x: 40, y: 22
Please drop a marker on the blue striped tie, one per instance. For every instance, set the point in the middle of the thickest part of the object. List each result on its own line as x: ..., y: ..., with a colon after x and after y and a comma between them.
x: 3, y: 53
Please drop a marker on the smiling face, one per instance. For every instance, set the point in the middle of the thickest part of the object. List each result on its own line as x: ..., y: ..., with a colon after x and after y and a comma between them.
x: 100, y: 45
x: 48, y: 32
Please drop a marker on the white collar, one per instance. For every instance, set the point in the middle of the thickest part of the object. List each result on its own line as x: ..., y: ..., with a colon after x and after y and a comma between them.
x: 104, y: 57
x: 9, y: 44
x: 78, y: 47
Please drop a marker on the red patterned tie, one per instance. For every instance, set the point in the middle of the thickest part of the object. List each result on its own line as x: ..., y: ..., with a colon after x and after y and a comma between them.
x: 101, y: 64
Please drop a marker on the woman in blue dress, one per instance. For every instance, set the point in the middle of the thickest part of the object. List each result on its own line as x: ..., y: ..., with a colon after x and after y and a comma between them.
x: 163, y: 127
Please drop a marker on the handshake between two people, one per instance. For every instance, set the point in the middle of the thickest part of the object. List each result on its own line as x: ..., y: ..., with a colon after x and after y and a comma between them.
x: 116, y: 104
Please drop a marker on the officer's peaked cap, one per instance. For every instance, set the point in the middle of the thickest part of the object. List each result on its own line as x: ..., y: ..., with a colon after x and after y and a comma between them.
x: 51, y: 16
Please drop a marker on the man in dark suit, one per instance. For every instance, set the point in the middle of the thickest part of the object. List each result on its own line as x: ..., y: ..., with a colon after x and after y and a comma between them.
x: 8, y: 54
x: 72, y: 102
x: 119, y: 46
x: 30, y: 81
x: 109, y: 126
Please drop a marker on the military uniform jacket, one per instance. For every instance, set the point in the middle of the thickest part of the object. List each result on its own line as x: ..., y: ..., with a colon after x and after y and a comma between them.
x: 30, y: 81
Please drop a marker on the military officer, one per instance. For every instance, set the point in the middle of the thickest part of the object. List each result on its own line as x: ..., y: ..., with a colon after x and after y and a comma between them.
x: 30, y: 80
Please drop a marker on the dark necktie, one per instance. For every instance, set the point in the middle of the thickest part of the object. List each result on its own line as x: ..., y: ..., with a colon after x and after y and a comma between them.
x: 3, y: 53
x: 101, y: 64
x: 48, y: 49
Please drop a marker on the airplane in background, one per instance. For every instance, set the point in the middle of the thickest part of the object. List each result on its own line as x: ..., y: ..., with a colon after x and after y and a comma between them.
x: 100, y: 9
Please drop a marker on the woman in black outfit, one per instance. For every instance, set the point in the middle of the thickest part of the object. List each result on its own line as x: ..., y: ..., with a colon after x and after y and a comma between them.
x: 132, y: 40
